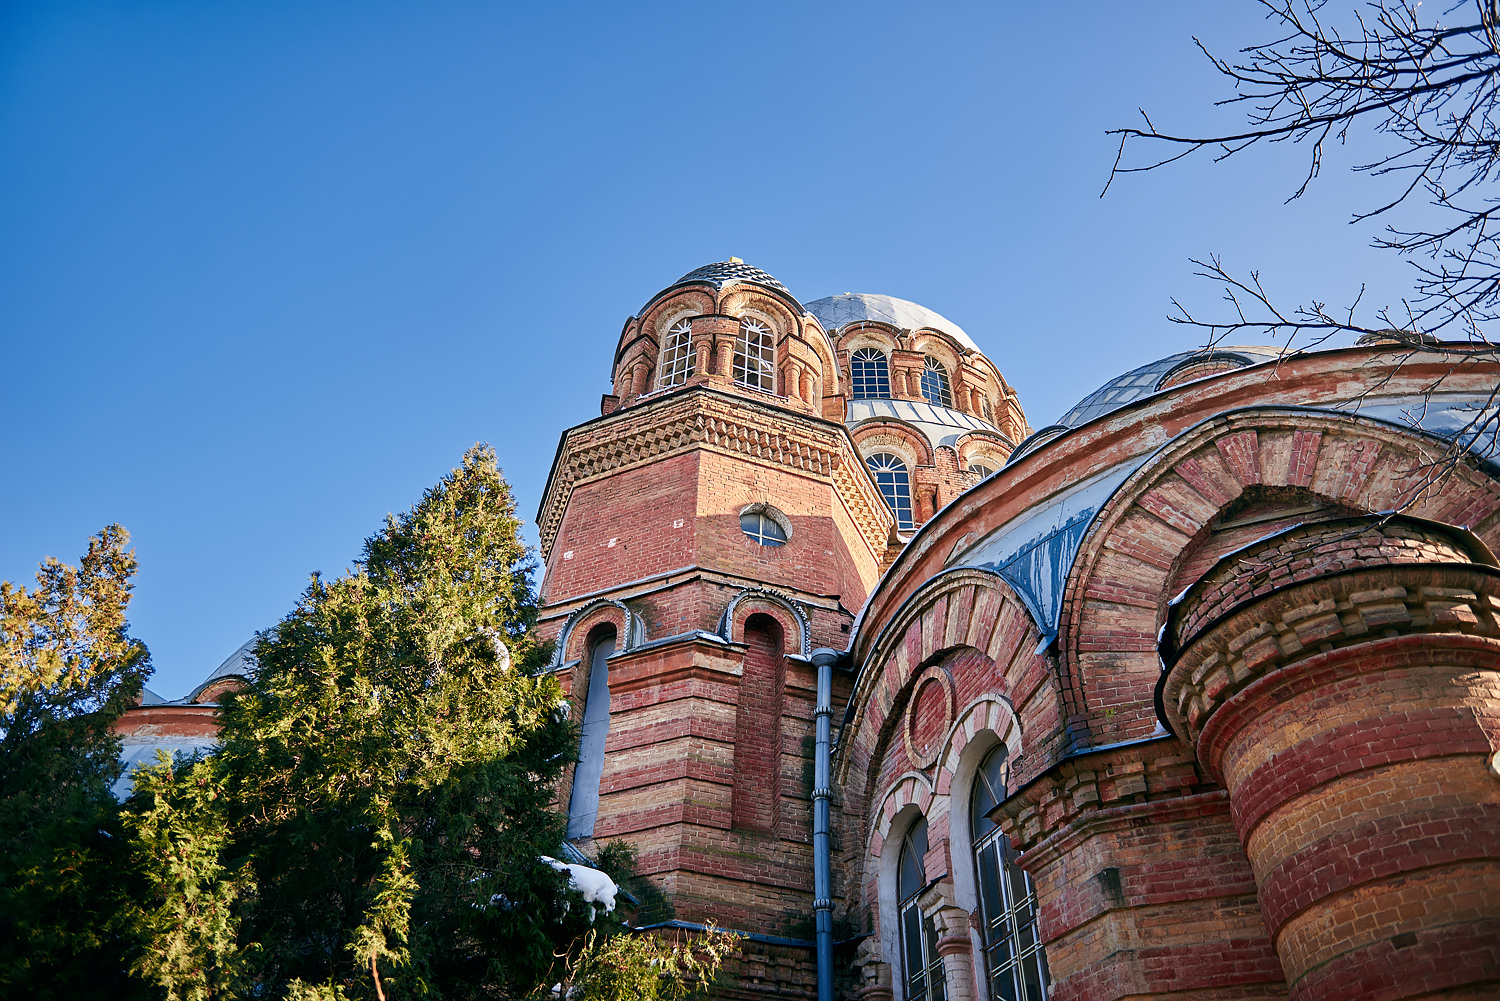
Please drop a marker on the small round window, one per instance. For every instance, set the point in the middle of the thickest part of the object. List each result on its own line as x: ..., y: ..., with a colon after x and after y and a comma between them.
x: 763, y: 526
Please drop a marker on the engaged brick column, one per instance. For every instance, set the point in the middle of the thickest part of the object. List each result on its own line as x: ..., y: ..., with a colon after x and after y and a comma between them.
x: 952, y: 925
x: 1342, y: 680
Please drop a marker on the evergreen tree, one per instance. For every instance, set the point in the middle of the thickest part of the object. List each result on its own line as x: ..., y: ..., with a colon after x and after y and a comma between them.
x: 68, y: 670
x: 371, y: 824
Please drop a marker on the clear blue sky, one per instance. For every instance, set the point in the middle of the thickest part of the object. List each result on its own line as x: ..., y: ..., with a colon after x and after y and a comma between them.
x: 267, y: 268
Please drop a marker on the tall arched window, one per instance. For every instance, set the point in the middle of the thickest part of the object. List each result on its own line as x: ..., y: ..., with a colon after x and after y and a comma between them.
x: 935, y: 383
x: 676, y: 355
x: 755, y: 356
x: 894, y: 481
x: 920, y: 962
x: 870, y: 374
x: 1013, y: 956
x: 583, y: 807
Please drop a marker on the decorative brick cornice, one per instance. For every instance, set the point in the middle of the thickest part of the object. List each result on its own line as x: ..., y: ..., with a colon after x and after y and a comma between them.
x: 702, y: 419
x: 1109, y: 785
x: 1338, y: 610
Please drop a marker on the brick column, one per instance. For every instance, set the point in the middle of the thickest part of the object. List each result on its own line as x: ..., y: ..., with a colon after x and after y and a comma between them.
x: 1343, y: 681
x: 951, y: 922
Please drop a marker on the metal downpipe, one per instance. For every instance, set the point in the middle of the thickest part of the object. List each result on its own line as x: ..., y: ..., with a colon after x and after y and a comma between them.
x: 823, y: 659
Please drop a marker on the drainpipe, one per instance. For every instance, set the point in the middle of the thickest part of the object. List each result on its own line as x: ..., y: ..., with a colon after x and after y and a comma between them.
x: 823, y: 659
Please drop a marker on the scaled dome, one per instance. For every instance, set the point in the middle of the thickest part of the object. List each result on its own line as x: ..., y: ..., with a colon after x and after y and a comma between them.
x: 837, y: 311
x: 731, y: 272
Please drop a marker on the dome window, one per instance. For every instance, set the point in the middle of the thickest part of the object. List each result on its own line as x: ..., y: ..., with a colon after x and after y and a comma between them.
x: 935, y: 388
x: 755, y: 356
x: 764, y: 525
x: 870, y: 375
x: 676, y: 355
x: 894, y: 481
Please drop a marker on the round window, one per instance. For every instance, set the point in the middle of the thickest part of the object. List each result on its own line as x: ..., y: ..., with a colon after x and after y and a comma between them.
x: 762, y: 526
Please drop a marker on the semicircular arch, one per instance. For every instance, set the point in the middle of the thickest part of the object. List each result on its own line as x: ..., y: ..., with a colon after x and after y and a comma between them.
x: 1117, y: 589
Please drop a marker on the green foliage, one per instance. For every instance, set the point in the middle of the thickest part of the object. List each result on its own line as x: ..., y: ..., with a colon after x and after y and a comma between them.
x: 68, y: 670
x: 178, y: 836
x: 371, y: 824
x: 622, y: 966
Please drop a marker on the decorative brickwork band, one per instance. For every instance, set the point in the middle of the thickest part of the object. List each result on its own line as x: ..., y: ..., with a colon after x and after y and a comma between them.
x: 1342, y: 680
x: 697, y: 419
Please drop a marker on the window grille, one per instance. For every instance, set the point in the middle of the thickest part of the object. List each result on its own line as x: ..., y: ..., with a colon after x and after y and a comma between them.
x: 894, y: 481
x: 921, y: 964
x: 1013, y: 957
x: 759, y: 527
x: 755, y: 356
x: 935, y: 388
x: 870, y: 375
x: 676, y: 355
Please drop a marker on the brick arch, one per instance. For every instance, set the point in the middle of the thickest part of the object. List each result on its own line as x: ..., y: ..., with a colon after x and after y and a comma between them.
x: 821, y: 344
x: 739, y: 300
x: 630, y: 631
x: 890, y: 434
x: 695, y: 300
x: 780, y: 607
x: 957, y: 609
x: 991, y: 713
x: 942, y: 347
x: 910, y: 788
x: 1117, y: 590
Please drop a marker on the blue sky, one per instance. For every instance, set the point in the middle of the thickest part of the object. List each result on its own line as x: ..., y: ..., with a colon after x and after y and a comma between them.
x: 266, y: 269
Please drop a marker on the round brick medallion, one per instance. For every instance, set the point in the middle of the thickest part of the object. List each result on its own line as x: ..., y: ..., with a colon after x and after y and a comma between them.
x: 929, y: 715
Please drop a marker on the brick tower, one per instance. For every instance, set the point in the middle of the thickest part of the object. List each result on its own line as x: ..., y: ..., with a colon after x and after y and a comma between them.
x: 727, y: 514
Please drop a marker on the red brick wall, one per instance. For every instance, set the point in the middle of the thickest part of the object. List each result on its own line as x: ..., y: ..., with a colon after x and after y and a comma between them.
x: 757, y: 733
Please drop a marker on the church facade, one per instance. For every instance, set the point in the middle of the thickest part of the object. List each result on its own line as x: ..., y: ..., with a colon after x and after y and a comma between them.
x: 1195, y: 693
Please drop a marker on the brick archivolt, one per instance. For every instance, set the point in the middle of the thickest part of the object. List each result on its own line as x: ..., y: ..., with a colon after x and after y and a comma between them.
x: 961, y: 608
x: 1116, y: 593
x: 691, y: 420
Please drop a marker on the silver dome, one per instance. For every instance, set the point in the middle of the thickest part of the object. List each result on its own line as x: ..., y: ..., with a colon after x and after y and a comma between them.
x: 838, y: 311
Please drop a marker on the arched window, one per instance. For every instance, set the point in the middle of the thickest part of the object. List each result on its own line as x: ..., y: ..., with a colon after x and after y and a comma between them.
x: 676, y: 355
x: 980, y: 468
x: 920, y: 962
x: 583, y: 807
x: 935, y: 383
x: 755, y: 356
x: 870, y: 374
x: 763, y: 527
x: 1013, y: 956
x: 894, y: 481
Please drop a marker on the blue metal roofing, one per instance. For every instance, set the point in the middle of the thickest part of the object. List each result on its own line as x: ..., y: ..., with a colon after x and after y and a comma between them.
x: 1141, y: 382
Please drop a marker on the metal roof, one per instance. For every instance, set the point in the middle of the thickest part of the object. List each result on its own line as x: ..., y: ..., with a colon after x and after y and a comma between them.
x: 838, y: 311
x: 941, y: 425
x: 721, y: 273
x: 1148, y: 379
x: 240, y: 664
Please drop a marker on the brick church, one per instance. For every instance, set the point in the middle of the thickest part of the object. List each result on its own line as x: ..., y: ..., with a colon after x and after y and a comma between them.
x: 1194, y: 693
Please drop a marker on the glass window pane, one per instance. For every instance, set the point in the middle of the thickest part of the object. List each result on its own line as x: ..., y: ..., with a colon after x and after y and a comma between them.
x: 870, y: 375
x: 676, y: 355
x: 935, y: 389
x: 755, y: 356
x: 892, y: 478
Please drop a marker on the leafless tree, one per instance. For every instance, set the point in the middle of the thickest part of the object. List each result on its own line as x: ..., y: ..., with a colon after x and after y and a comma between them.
x: 1430, y: 90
